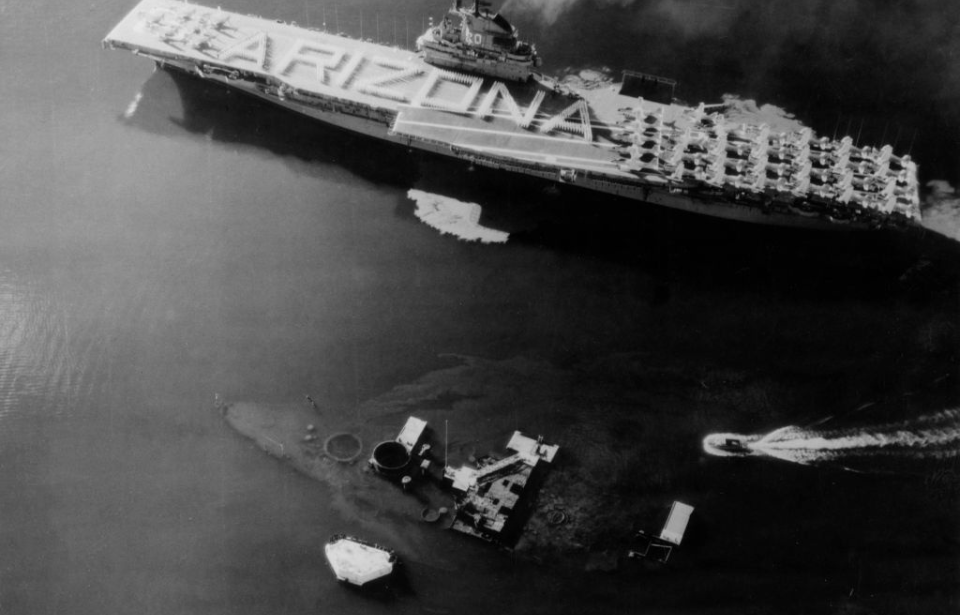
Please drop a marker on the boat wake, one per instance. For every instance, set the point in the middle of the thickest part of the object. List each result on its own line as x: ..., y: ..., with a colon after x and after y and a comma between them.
x: 934, y: 436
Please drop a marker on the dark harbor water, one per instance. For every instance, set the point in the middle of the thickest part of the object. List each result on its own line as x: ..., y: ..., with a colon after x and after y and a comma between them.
x: 163, y: 240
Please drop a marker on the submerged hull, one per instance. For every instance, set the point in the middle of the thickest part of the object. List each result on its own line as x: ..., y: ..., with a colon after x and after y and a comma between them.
x: 575, y: 138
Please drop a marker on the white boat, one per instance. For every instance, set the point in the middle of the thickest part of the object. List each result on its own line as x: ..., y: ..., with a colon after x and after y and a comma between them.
x: 358, y: 562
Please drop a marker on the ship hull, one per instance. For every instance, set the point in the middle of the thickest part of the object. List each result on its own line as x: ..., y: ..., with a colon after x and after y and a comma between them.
x: 357, y: 124
x: 390, y: 94
x: 380, y: 131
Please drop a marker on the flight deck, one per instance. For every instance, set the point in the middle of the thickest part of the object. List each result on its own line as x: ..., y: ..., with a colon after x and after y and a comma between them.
x: 596, y: 137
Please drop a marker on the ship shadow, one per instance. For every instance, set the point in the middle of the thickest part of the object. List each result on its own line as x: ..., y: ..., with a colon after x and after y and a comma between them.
x: 173, y: 102
x: 677, y: 247
x: 673, y: 247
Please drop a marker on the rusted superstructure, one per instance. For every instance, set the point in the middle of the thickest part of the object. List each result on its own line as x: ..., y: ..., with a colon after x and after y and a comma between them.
x: 489, y: 495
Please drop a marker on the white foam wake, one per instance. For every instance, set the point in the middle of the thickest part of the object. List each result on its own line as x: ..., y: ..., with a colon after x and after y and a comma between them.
x: 933, y: 436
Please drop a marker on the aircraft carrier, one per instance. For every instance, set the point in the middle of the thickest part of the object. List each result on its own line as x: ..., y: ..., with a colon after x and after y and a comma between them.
x: 472, y: 92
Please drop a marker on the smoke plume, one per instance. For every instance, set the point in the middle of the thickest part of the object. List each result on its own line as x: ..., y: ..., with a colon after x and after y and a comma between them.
x: 889, y: 71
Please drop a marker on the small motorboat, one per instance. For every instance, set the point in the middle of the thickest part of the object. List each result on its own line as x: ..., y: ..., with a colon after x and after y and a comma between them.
x: 730, y: 445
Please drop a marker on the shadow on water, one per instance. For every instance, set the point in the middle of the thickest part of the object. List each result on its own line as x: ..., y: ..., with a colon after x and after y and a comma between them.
x: 173, y: 101
x: 672, y: 246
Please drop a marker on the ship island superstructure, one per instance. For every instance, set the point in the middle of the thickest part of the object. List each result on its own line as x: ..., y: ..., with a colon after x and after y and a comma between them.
x: 479, y: 41
x: 646, y: 148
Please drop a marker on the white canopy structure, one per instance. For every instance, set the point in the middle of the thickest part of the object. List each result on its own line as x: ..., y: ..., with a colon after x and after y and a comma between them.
x: 358, y: 562
x: 660, y: 547
x: 676, y: 524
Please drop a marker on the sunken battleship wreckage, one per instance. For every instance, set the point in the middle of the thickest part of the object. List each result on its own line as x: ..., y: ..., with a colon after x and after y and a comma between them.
x: 492, y: 495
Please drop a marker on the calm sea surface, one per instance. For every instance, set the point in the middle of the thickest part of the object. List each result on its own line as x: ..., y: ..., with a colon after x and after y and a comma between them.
x: 208, y: 244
